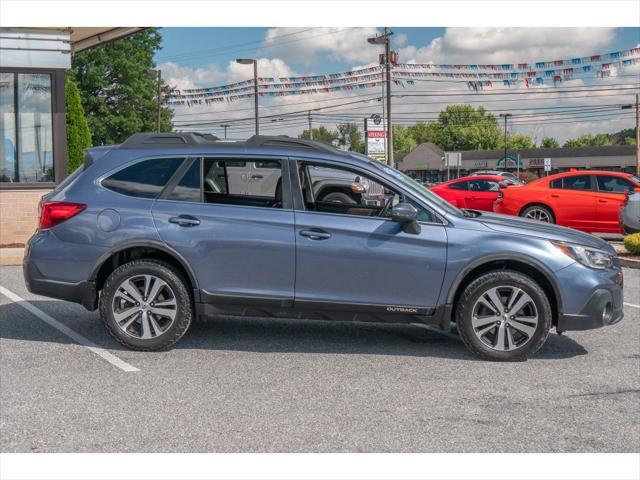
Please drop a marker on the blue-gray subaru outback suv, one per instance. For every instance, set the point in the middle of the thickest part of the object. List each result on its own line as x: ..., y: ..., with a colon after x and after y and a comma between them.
x: 165, y: 228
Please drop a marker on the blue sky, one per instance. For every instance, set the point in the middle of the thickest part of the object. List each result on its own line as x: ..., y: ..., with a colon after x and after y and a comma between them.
x: 202, y: 57
x: 199, y: 47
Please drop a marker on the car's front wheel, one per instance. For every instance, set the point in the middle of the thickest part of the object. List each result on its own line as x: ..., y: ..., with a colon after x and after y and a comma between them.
x: 145, y: 305
x: 503, y: 315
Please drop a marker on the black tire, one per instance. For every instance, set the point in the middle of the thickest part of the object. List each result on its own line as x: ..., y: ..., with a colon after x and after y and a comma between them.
x: 509, y: 278
x: 339, y: 197
x: 167, y: 273
x: 541, y: 208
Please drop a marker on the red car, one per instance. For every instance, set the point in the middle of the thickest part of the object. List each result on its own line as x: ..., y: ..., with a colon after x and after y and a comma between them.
x: 586, y: 200
x: 476, y: 193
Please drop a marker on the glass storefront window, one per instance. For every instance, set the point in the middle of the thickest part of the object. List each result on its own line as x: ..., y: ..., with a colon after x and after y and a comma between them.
x: 26, y: 155
x: 7, y: 128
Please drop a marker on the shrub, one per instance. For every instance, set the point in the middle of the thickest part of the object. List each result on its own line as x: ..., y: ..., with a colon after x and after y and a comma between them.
x: 632, y: 243
x: 78, y: 134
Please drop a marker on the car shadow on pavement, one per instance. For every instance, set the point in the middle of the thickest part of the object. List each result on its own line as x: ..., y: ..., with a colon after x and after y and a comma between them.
x: 267, y: 335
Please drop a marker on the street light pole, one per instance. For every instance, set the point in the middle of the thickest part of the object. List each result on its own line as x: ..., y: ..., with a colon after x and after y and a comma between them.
x: 225, y: 126
x: 249, y: 61
x: 385, y: 39
x: 310, y: 126
x: 158, y: 74
x: 505, y: 116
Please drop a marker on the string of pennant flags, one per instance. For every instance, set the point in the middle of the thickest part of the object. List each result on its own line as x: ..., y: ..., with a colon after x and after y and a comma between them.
x: 522, y: 74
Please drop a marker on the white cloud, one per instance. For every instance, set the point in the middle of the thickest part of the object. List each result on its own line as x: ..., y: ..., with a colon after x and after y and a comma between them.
x: 509, y: 44
x: 337, y: 43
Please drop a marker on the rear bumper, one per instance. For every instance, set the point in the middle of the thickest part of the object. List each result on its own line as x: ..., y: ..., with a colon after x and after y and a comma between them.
x: 82, y: 292
x: 604, y: 307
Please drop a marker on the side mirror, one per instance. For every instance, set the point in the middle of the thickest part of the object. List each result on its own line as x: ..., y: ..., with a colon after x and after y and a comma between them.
x: 406, y: 214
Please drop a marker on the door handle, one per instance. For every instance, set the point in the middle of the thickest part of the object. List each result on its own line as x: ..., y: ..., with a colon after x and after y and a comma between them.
x: 555, y: 195
x: 602, y: 201
x: 315, y: 234
x: 185, y: 221
x: 256, y: 177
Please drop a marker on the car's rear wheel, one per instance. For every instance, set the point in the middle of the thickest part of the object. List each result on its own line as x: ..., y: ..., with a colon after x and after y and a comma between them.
x: 145, y: 305
x: 540, y: 213
x: 503, y: 315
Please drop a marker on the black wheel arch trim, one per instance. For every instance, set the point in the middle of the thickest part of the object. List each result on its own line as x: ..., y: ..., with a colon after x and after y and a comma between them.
x: 548, y: 274
x: 158, y: 245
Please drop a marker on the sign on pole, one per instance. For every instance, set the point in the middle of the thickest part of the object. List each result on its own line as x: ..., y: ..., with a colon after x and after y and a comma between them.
x: 547, y: 164
x: 375, y: 146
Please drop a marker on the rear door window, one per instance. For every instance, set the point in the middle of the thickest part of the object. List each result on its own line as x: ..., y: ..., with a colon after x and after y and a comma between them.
x: 459, y: 186
x: 144, y: 179
x: 577, y: 182
x: 214, y: 180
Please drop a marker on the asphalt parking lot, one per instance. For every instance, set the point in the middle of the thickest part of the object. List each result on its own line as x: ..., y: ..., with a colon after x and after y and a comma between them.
x: 264, y: 385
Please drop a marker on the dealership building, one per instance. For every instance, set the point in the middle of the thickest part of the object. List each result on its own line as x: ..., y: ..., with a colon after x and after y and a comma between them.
x: 427, y: 161
x: 33, y: 144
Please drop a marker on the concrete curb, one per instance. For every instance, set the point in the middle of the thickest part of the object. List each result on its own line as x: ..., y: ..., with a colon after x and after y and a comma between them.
x: 11, y: 256
x: 629, y: 262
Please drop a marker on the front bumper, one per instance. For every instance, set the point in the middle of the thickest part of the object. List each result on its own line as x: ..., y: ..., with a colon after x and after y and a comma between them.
x: 604, y: 307
x: 82, y: 292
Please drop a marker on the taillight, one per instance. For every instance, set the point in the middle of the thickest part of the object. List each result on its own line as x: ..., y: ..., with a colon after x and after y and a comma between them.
x: 53, y: 213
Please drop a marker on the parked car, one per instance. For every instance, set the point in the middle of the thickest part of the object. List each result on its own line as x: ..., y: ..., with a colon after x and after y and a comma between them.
x: 477, y: 192
x: 630, y: 212
x: 507, y: 177
x: 155, y: 232
x: 586, y: 200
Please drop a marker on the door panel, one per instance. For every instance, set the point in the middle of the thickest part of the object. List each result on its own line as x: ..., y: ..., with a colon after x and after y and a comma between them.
x: 235, y: 247
x: 574, y: 205
x: 367, y: 260
x: 611, y: 194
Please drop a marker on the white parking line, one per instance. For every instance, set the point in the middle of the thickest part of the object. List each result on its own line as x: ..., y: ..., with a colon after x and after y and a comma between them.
x: 73, y: 335
x: 632, y: 305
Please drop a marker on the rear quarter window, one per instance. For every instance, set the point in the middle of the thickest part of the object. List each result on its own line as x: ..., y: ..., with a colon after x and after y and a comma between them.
x: 144, y: 179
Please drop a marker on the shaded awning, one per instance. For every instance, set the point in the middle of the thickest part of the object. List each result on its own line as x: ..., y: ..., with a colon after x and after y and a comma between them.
x: 87, y: 37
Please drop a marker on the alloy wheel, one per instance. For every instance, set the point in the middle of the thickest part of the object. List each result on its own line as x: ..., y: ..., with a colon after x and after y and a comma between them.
x: 538, y: 214
x: 504, y: 318
x: 144, y: 306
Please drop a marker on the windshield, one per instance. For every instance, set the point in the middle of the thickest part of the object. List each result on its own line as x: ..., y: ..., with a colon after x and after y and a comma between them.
x: 416, y: 186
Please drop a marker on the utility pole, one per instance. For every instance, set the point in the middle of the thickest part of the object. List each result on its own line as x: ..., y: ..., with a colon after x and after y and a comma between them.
x: 624, y: 107
x: 249, y: 61
x: 225, y: 126
x: 385, y: 39
x: 310, y: 126
x: 505, y: 116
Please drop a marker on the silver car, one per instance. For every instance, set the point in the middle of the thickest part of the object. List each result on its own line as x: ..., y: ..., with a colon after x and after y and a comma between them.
x: 630, y: 213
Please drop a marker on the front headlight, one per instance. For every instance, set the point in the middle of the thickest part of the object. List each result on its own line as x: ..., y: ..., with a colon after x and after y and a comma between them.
x: 588, y: 257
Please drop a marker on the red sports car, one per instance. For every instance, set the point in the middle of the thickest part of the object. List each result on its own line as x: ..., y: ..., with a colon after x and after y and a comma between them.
x: 476, y: 193
x: 586, y: 200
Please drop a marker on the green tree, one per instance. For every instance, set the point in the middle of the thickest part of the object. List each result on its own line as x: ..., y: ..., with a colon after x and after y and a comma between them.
x: 589, y: 140
x: 462, y: 127
x: 549, y: 142
x: 321, y: 134
x: 403, y: 142
x: 629, y: 141
x: 78, y: 134
x: 348, y: 134
x: 518, y: 141
x: 118, y: 88
x: 423, y: 132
